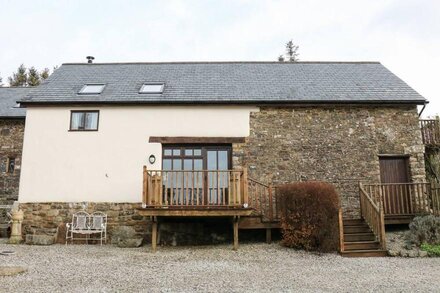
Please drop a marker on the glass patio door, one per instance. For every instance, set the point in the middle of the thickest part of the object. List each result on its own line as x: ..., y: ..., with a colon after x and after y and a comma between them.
x: 217, y: 160
x: 196, y: 174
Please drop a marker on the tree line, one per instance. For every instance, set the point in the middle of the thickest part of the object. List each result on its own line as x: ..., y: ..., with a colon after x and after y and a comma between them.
x: 24, y: 76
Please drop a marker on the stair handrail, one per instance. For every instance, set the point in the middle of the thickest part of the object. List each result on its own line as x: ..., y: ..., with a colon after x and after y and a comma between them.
x: 261, y: 194
x: 373, y: 215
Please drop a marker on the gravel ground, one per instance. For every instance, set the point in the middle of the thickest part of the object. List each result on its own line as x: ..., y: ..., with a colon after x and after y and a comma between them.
x: 254, y: 267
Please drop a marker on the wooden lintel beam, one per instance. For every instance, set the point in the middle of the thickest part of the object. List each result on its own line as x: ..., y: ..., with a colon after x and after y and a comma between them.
x: 195, y: 140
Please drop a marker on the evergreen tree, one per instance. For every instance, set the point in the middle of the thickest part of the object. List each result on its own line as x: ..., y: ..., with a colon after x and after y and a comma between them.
x: 33, y: 78
x: 291, y: 53
x: 19, y: 78
x: 28, y: 77
x: 44, y: 74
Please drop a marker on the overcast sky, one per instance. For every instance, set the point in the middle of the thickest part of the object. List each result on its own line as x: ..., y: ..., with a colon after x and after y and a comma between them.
x: 402, y: 34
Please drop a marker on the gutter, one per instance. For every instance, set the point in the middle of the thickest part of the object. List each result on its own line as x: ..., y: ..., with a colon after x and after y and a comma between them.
x: 245, y: 102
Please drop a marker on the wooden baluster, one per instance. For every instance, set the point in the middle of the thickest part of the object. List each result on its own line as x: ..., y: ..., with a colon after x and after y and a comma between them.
x: 245, y: 186
x: 400, y: 205
x: 160, y: 188
x: 171, y: 173
x: 224, y: 188
x: 420, y: 198
x: 197, y: 187
x: 145, y: 186
x: 411, y: 199
x: 234, y: 187
x: 204, y: 187
x: 270, y: 203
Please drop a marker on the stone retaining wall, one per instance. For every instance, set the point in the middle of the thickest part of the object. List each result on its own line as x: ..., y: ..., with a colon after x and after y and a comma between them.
x: 50, y: 216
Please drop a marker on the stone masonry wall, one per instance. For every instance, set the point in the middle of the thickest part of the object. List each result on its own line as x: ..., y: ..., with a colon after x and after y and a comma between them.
x: 11, y: 145
x: 335, y: 144
x: 51, y: 219
x: 47, y: 217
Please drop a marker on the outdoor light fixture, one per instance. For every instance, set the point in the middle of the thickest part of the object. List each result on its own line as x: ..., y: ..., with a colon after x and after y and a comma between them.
x: 152, y: 159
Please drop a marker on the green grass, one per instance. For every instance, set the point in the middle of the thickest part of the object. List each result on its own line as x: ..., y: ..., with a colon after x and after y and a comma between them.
x: 433, y: 250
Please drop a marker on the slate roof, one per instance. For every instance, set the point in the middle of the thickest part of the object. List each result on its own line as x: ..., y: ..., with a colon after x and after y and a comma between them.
x: 228, y: 82
x: 8, y: 98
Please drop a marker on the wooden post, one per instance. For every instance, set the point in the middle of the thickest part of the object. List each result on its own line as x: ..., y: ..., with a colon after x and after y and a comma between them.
x: 235, y: 228
x: 341, y: 231
x: 360, y: 201
x: 245, y: 187
x: 382, y: 229
x: 268, y: 235
x: 154, y: 234
x: 270, y: 203
x: 145, y: 185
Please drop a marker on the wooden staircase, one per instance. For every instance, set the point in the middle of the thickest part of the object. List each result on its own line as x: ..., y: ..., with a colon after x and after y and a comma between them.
x: 359, y: 240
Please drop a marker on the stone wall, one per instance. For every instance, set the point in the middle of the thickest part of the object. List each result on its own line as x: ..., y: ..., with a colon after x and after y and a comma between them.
x: 51, y: 218
x: 11, y: 145
x: 41, y: 217
x: 336, y: 144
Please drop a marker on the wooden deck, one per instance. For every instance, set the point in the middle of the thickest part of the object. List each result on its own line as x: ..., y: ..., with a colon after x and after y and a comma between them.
x: 199, y: 211
x: 209, y: 193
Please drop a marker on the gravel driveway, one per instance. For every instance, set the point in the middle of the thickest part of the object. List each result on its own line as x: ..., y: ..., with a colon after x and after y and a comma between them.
x: 253, y: 268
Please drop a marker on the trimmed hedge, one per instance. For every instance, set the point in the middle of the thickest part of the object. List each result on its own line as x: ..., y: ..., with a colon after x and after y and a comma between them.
x: 309, y: 218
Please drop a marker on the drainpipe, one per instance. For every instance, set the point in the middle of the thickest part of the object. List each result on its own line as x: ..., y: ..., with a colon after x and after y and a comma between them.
x: 424, y: 106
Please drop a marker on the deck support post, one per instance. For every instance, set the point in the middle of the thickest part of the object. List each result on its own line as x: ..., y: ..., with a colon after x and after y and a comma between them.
x: 268, y: 235
x: 235, y: 228
x: 154, y: 234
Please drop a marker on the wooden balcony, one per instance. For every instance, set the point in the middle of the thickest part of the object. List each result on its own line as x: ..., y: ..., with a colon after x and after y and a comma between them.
x: 195, y: 193
x: 430, y: 132
x: 400, y: 202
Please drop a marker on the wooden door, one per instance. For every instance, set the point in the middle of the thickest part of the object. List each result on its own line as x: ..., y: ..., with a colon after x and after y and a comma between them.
x: 394, y: 174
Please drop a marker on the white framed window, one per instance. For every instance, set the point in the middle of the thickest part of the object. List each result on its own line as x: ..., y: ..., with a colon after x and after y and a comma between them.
x: 91, y: 89
x: 152, y: 88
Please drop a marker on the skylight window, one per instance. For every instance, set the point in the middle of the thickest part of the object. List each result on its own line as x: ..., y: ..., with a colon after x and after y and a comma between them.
x: 92, y: 89
x: 152, y: 88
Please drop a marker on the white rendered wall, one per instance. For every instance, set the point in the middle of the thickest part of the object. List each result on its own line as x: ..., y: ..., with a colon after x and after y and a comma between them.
x: 106, y: 165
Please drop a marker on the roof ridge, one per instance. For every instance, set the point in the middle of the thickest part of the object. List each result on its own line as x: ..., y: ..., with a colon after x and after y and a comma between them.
x: 224, y: 62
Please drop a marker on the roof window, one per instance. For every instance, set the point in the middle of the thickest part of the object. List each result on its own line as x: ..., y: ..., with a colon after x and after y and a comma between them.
x: 92, y: 89
x: 152, y: 88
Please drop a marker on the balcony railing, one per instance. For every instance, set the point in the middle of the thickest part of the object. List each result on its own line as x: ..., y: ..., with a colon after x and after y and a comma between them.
x: 430, y: 131
x: 405, y: 198
x: 194, y: 188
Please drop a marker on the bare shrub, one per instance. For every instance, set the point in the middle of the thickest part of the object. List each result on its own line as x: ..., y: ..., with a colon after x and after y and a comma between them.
x: 309, y: 216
